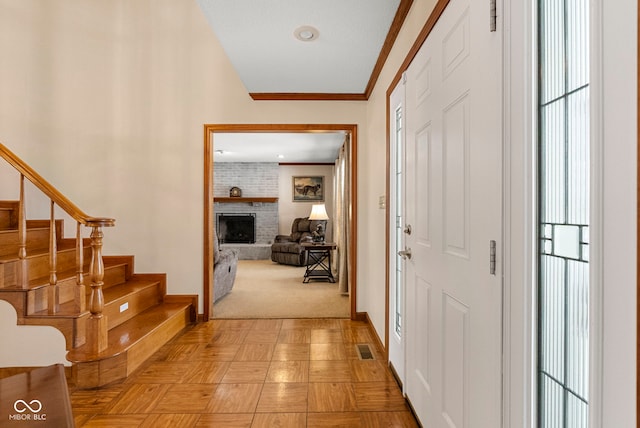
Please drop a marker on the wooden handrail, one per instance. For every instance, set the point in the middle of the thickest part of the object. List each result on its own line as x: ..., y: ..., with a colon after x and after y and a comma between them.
x: 96, y: 334
x: 53, y: 193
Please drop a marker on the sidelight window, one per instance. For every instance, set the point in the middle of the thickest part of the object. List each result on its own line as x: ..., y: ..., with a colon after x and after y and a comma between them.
x: 399, y: 235
x: 563, y: 213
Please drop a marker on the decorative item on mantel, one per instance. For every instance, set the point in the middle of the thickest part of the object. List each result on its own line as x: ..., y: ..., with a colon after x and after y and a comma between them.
x: 235, y: 192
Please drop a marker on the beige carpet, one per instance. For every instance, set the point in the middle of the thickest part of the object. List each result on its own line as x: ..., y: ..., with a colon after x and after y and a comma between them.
x: 264, y: 289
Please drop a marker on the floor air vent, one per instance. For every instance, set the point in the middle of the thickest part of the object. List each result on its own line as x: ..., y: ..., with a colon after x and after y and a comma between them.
x: 364, y: 352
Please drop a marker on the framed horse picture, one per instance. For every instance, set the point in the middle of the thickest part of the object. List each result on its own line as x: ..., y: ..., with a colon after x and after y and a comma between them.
x: 308, y: 189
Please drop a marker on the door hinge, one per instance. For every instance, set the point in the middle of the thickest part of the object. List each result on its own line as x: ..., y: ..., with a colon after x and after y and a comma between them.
x: 492, y: 257
x: 493, y: 15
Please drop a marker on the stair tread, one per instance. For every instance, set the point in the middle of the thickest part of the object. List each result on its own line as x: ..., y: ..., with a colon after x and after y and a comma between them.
x: 127, y: 334
x: 29, y: 227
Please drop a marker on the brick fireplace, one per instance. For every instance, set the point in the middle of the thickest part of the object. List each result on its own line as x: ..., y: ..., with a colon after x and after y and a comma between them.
x: 257, y: 180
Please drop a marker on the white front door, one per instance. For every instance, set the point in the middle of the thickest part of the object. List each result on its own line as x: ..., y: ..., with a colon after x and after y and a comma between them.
x: 453, y: 204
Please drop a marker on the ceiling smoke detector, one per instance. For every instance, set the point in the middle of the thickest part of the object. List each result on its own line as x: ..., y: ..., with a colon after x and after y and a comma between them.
x: 306, y: 33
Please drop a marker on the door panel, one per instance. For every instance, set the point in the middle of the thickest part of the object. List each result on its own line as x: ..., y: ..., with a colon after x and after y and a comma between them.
x: 455, y: 140
x: 455, y: 349
x: 422, y: 193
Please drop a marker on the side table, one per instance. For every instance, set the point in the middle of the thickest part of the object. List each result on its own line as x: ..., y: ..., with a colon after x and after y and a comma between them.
x: 318, y: 261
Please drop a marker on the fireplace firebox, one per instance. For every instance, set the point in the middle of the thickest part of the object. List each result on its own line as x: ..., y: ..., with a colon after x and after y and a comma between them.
x: 236, y: 228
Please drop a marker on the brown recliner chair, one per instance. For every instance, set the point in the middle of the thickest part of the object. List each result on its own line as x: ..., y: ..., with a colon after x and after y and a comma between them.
x: 286, y: 249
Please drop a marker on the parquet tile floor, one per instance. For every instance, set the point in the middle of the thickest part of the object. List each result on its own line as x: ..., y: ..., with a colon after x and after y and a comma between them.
x: 254, y: 373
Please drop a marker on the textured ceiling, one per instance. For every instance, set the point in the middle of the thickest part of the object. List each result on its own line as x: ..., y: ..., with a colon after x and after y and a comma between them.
x: 258, y: 37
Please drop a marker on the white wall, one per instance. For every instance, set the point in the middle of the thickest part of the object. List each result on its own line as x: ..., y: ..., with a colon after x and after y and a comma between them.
x: 289, y: 210
x: 619, y: 210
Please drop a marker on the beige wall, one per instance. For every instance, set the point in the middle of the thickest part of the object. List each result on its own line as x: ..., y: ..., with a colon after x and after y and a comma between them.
x: 372, y: 183
x: 108, y: 100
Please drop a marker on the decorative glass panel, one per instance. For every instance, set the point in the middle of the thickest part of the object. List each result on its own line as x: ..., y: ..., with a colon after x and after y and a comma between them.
x: 397, y: 310
x: 563, y: 211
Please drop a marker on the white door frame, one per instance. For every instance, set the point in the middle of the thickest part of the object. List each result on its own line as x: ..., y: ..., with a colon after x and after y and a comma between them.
x: 520, y: 276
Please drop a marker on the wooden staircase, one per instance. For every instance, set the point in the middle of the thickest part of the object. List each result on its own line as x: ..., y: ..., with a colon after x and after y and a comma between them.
x: 112, y: 318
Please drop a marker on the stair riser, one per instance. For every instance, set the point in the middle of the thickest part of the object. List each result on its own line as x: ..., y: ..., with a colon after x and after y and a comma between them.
x: 137, y: 302
x: 37, y: 239
x: 165, y: 332
x: 38, y: 298
x: 9, y: 214
x: 93, y: 374
x: 38, y: 266
x: 8, y: 274
x: 5, y: 219
x: 113, y: 275
x: 125, y: 260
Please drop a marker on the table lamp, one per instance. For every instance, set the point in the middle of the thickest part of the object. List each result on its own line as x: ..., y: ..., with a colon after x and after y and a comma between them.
x: 318, y: 212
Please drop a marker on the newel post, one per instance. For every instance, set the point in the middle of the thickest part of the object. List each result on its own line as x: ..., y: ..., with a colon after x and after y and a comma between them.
x: 97, y: 336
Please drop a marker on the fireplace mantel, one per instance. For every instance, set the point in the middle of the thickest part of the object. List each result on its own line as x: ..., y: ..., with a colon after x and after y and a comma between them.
x: 232, y: 200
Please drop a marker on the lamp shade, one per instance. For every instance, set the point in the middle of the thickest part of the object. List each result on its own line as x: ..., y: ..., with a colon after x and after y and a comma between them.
x: 318, y: 212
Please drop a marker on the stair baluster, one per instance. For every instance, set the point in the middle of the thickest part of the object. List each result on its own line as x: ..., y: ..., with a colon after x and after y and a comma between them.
x: 22, y: 238
x: 97, y: 322
x: 79, y: 293
x: 53, y: 301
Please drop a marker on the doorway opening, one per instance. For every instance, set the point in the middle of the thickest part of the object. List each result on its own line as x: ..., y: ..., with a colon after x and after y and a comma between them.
x: 210, y: 131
